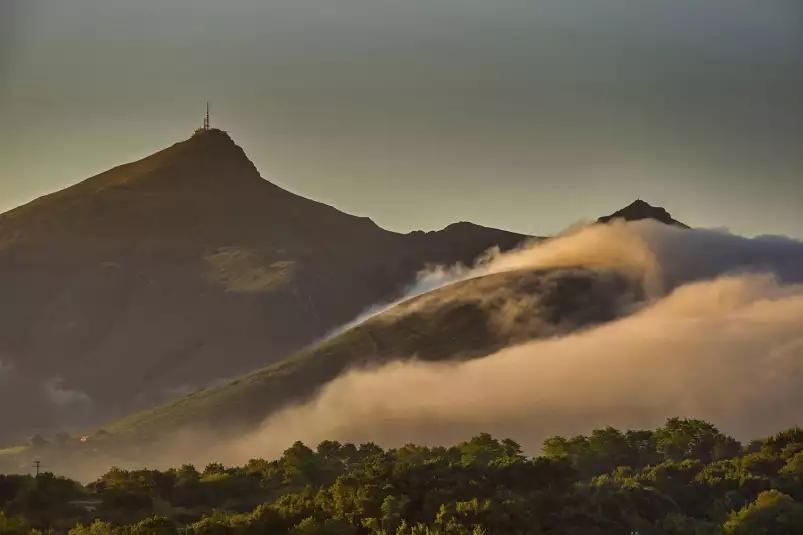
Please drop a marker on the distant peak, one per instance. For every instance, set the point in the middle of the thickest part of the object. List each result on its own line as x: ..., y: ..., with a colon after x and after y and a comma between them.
x: 638, y: 210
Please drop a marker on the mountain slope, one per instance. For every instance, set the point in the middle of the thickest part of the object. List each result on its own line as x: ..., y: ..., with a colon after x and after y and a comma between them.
x: 464, y: 320
x: 167, y: 274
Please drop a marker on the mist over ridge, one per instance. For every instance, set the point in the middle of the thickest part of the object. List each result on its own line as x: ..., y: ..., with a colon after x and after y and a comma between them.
x: 385, y: 267
x: 717, y: 336
x: 690, y: 322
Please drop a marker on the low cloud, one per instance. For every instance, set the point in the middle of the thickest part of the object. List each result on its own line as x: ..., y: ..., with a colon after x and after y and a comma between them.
x: 64, y: 397
x: 428, y: 279
x: 713, y: 332
x: 659, y: 257
x: 729, y: 350
x: 718, y: 336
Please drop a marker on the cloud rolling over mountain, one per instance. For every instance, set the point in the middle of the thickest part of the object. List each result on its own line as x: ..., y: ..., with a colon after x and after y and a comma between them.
x: 708, y: 343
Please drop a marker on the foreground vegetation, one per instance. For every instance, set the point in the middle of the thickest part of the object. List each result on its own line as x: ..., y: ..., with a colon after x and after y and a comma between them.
x: 683, y: 478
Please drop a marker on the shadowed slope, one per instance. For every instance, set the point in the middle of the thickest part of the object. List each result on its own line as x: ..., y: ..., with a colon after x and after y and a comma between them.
x: 467, y: 319
x: 176, y: 271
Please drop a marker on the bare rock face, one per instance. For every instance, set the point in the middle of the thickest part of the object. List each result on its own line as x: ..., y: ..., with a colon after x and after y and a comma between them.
x: 639, y: 210
x: 178, y: 271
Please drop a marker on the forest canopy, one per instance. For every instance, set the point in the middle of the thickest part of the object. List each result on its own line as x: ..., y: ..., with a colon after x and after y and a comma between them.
x: 685, y: 477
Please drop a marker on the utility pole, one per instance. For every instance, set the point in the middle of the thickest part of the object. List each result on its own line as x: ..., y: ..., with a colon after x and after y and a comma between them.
x: 37, y: 464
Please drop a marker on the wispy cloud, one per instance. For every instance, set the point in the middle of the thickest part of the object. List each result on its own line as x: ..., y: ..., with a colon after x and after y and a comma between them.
x: 64, y: 397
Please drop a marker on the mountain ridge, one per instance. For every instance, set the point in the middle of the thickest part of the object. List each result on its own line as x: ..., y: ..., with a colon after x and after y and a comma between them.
x: 183, y: 269
x: 156, y: 268
x: 452, y: 323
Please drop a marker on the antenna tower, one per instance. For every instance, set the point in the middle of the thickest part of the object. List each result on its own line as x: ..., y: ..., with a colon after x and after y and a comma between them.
x: 206, y: 119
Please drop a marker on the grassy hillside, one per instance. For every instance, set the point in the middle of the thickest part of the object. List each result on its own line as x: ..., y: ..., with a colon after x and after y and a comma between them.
x: 456, y: 322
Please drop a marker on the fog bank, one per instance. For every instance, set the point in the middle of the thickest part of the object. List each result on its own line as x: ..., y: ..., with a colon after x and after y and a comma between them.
x: 720, y: 337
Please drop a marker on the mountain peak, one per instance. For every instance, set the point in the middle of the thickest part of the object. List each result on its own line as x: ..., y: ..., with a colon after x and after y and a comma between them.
x: 213, y: 135
x: 154, y: 269
x: 638, y: 210
x: 207, y: 159
x: 213, y: 142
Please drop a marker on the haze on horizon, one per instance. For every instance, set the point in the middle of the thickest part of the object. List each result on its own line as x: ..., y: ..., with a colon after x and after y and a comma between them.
x: 519, y: 115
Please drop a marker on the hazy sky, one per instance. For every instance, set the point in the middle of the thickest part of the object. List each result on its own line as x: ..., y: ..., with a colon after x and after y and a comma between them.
x: 520, y: 114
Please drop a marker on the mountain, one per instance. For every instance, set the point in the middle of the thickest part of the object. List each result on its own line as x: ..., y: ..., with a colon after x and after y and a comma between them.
x: 639, y: 210
x: 456, y: 322
x: 181, y: 270
x: 463, y: 320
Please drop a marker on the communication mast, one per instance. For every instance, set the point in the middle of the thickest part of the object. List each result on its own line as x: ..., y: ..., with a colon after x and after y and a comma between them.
x: 207, y: 125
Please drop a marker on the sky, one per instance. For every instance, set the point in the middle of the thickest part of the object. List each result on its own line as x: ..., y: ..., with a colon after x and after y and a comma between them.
x: 527, y: 115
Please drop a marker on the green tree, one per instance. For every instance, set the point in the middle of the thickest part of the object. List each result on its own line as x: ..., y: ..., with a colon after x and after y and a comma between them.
x: 98, y: 527
x: 13, y: 525
x: 155, y: 525
x: 682, y: 438
x: 214, y: 469
x: 773, y: 513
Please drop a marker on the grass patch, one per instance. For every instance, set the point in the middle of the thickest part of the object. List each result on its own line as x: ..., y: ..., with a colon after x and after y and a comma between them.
x: 13, y: 451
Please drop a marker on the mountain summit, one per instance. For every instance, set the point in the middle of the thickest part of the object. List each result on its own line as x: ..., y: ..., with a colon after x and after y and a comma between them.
x: 639, y: 210
x: 180, y: 270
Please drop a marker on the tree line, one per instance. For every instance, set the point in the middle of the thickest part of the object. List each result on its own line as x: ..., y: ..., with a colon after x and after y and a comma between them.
x: 684, y: 478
